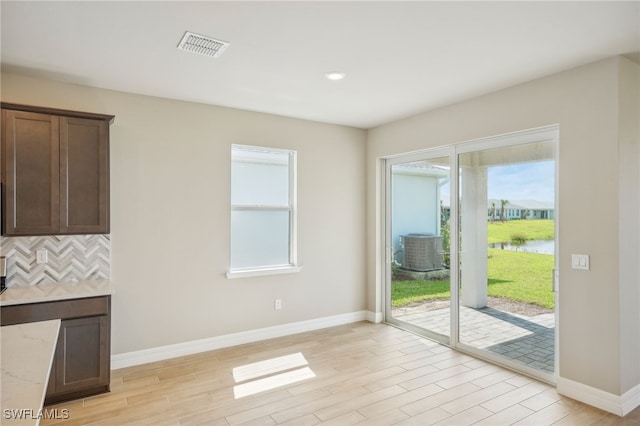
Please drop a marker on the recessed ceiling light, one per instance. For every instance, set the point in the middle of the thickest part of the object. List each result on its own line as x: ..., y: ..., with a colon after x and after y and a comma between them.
x: 335, y: 75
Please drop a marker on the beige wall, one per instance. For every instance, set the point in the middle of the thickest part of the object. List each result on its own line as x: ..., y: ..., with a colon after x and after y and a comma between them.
x: 629, y: 223
x: 170, y: 210
x: 170, y: 176
x: 585, y: 103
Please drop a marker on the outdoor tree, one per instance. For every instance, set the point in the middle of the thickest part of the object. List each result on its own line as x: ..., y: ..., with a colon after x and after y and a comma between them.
x: 445, y: 233
x: 502, y: 204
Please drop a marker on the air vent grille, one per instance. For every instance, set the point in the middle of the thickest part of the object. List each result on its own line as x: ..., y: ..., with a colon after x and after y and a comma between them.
x: 202, y: 45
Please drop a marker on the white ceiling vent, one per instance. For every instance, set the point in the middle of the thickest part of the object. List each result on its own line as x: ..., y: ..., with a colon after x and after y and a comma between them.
x: 202, y: 45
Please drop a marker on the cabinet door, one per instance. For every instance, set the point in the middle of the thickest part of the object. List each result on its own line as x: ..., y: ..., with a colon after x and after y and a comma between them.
x: 30, y: 173
x: 84, y: 176
x: 82, y: 354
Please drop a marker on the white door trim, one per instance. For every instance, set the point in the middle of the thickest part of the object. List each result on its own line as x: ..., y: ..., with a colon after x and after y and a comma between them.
x: 549, y: 133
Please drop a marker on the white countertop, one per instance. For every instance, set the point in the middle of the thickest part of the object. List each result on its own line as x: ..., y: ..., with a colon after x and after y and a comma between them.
x: 25, y: 360
x: 58, y: 291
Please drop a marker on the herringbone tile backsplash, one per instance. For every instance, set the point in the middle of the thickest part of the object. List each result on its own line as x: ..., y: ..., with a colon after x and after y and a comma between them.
x: 70, y: 258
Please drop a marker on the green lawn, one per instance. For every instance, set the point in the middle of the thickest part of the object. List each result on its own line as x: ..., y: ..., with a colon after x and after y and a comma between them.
x: 405, y: 292
x: 499, y: 232
x: 524, y: 277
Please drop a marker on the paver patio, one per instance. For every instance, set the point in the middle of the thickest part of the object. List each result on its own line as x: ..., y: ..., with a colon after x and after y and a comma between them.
x: 523, y: 339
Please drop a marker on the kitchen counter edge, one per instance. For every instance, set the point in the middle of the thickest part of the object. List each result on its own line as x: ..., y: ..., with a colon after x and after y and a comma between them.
x: 56, y: 291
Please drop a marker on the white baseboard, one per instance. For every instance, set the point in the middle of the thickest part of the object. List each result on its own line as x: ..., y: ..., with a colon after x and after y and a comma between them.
x: 620, y: 405
x: 374, y: 317
x: 160, y: 353
x: 630, y: 400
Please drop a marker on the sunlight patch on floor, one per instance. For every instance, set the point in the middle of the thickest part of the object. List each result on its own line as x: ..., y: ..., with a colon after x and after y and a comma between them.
x: 269, y: 366
x: 272, y: 382
x: 270, y: 374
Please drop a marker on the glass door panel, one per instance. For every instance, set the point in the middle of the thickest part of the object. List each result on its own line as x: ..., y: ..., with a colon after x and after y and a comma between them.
x: 418, y: 287
x: 507, y: 245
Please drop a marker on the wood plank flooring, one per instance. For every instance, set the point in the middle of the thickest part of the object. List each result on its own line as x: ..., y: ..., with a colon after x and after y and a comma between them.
x: 363, y: 373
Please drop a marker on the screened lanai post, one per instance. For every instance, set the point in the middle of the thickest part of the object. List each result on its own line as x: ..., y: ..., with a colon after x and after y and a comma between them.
x: 473, y: 206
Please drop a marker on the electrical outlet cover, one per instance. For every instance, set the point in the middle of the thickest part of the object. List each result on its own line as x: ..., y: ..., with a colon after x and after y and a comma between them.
x: 42, y: 256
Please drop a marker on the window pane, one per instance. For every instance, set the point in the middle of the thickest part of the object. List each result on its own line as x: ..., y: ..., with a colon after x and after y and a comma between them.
x: 259, y: 178
x: 259, y: 239
x: 504, y: 257
x: 420, y: 242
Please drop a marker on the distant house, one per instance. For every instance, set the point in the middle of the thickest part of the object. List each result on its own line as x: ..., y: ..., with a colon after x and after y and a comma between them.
x: 522, y: 209
x: 517, y: 209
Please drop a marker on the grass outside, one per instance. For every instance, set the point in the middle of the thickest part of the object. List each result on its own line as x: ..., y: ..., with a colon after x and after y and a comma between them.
x: 499, y: 232
x: 522, y: 277
x: 518, y: 276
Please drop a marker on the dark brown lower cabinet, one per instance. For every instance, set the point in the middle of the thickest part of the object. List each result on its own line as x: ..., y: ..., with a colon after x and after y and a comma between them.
x: 81, y: 365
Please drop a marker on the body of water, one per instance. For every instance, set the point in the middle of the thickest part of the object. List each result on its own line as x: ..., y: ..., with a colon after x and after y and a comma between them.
x: 531, y: 246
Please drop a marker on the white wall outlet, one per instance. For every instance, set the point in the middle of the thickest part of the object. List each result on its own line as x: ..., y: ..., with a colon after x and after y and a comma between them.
x: 42, y: 256
x: 277, y: 304
x: 580, y: 261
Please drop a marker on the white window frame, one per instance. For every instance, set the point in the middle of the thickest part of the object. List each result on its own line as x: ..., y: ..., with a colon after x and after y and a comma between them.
x: 293, y: 265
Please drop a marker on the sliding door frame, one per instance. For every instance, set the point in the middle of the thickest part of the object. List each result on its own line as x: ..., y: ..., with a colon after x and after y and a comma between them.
x: 388, y: 164
x: 542, y: 134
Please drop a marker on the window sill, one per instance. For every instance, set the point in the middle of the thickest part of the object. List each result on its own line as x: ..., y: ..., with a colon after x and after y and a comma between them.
x: 262, y: 272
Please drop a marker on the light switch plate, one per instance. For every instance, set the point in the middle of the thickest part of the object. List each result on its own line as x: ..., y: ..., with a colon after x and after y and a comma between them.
x: 580, y: 261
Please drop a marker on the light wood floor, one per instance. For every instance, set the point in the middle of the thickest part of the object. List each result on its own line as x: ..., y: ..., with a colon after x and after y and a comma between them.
x: 370, y: 374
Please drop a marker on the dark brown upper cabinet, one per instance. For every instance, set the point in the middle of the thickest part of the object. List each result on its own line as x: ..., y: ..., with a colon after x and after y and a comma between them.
x: 55, y: 171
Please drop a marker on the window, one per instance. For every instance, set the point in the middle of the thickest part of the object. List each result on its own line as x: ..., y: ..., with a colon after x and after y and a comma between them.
x: 263, y: 215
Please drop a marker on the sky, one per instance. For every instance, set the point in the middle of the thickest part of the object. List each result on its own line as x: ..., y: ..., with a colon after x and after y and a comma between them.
x: 530, y: 181
x: 527, y: 181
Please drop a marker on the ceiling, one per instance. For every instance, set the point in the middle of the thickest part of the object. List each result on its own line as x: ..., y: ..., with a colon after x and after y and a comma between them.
x: 400, y: 58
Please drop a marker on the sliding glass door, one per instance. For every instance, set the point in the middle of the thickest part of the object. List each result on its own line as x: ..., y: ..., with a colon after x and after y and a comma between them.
x: 507, y: 245
x: 471, y: 242
x: 419, y: 295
